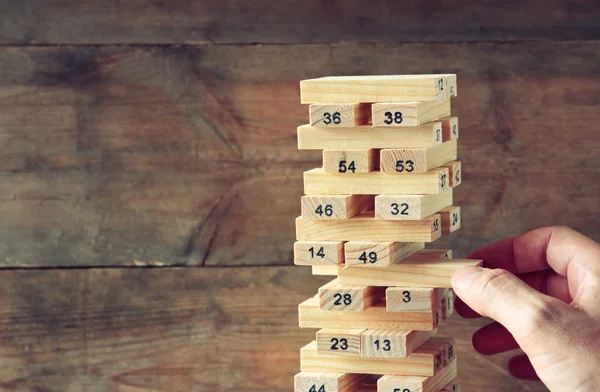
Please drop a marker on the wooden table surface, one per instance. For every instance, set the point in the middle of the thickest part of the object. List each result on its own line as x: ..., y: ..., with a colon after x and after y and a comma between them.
x: 162, y: 133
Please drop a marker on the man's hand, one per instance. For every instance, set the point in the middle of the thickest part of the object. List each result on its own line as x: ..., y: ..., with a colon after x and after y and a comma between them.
x: 543, y: 290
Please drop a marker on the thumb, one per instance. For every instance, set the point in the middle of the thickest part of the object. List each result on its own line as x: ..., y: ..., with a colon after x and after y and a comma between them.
x: 498, y: 294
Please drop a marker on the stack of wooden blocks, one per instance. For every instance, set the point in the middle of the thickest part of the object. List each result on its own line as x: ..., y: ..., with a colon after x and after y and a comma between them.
x: 385, y: 190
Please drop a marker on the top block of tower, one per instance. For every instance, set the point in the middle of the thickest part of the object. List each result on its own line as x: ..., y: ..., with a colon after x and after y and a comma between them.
x: 381, y: 88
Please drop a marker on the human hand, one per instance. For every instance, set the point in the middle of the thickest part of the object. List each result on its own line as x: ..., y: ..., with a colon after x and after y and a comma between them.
x: 543, y: 290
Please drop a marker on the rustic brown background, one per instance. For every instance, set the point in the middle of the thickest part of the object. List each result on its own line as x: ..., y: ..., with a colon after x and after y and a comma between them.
x: 162, y: 133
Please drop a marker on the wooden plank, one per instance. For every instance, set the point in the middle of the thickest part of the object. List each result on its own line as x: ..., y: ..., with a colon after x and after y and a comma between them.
x: 449, y: 128
x: 336, y: 297
x: 335, y: 206
x: 378, y: 254
x: 389, y: 383
x: 448, y: 348
x: 418, y: 364
x: 318, y: 253
x: 314, y: 138
x: 366, y: 228
x: 417, y: 160
x: 452, y: 386
x: 328, y: 382
x: 419, y: 273
x: 317, y: 182
x: 374, y: 88
x: 454, y: 172
x: 345, y: 342
x: 310, y: 315
x: 408, y: 207
x: 339, y: 115
x: 225, y: 22
x: 450, y: 219
x: 392, y: 343
x: 350, y: 161
x: 447, y: 304
x: 403, y: 299
x: 409, y: 114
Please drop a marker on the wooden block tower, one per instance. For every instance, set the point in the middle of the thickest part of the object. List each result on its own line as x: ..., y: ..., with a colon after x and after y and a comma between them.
x: 384, y: 192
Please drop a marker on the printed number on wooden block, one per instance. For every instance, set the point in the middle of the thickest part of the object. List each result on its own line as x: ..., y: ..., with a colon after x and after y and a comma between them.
x: 453, y: 386
x: 449, y: 128
x: 349, y: 161
x: 454, y: 173
x: 327, y: 382
x: 417, y: 160
x: 446, y: 345
x: 392, y: 343
x: 339, y: 342
x: 390, y: 383
x: 318, y: 253
x: 450, y: 219
x: 408, y: 207
x: 335, y: 207
x: 402, y: 299
x: 340, y: 115
x: 349, y: 298
x: 447, y: 305
x: 409, y: 113
x: 379, y: 254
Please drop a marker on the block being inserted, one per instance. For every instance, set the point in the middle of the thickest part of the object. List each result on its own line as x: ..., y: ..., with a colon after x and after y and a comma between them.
x: 392, y: 343
x: 449, y: 128
x: 310, y: 315
x: 404, y: 299
x: 417, y: 160
x: 335, y: 207
x: 390, y: 383
x: 454, y: 173
x: 349, y: 298
x: 450, y: 219
x: 379, y: 254
x: 350, y: 161
x: 378, y: 88
x: 417, y: 273
x: 328, y: 382
x: 366, y: 136
x: 340, y: 115
x: 318, y: 182
x: 318, y: 253
x: 411, y: 207
x: 398, y: 114
x: 339, y: 342
x: 419, y: 363
x: 367, y: 228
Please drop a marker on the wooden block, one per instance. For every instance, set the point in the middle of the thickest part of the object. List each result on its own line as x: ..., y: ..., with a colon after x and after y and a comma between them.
x: 417, y: 273
x: 327, y: 382
x: 447, y: 348
x: 379, y: 254
x: 375, y: 88
x: 450, y: 219
x: 425, y: 254
x: 339, y: 342
x: 454, y: 173
x: 340, y: 115
x: 449, y: 128
x: 368, y: 228
x: 411, y: 207
x: 403, y: 299
x: 349, y: 298
x: 310, y: 315
x: 447, y: 305
x: 452, y: 386
x: 318, y: 252
x: 351, y: 161
x: 318, y: 182
x: 417, y: 160
x: 335, y: 207
x: 437, y: 351
x: 452, y: 86
x: 392, y: 343
x: 418, y: 363
x: 390, y: 383
x: 366, y: 136
x: 409, y: 114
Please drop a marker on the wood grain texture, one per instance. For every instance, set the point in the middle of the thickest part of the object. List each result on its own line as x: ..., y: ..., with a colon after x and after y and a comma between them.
x: 172, y: 330
x: 229, y: 21
x: 335, y: 206
x: 350, y: 161
x: 346, y: 342
x: 379, y: 254
x: 417, y: 160
x: 339, y: 115
x: 330, y: 382
x: 161, y: 155
x: 318, y: 253
x: 409, y: 114
x: 406, y: 207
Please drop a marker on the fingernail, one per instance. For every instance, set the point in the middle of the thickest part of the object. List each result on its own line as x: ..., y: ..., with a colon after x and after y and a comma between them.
x: 461, y: 280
